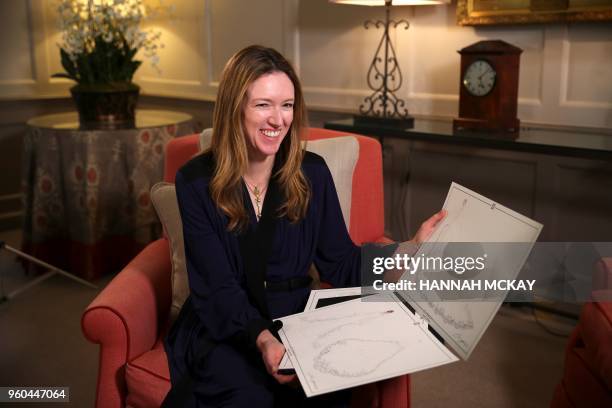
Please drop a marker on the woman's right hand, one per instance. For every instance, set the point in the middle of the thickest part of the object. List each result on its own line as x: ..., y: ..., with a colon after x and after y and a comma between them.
x: 428, y: 227
x: 272, y: 352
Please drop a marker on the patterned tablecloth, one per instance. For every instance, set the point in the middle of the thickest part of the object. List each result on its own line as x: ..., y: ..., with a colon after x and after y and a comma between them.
x: 87, y: 208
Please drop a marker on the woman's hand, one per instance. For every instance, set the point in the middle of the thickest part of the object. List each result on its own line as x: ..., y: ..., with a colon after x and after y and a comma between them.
x: 272, y: 352
x: 428, y: 227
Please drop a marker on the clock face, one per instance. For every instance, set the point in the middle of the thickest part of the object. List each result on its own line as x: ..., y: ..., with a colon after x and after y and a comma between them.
x: 479, y: 78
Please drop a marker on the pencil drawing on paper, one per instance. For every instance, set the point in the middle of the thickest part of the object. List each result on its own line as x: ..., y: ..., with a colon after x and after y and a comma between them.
x: 357, y: 342
x: 364, y: 356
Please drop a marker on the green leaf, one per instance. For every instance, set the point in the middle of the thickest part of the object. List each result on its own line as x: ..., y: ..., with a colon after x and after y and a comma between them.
x: 131, y: 69
x: 71, y: 70
x: 64, y: 75
x: 131, y: 52
x: 86, y: 69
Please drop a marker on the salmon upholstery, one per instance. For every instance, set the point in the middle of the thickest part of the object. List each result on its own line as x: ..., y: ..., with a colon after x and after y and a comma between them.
x: 128, y: 319
x: 587, y: 372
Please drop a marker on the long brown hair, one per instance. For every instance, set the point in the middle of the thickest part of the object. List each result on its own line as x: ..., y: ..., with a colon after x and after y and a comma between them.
x: 228, y: 143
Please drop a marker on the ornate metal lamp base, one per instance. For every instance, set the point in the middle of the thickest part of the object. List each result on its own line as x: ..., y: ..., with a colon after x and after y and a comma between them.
x: 379, y: 122
x: 383, y: 107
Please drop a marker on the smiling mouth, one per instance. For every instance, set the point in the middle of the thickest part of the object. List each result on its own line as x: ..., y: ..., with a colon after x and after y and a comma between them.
x: 271, y: 133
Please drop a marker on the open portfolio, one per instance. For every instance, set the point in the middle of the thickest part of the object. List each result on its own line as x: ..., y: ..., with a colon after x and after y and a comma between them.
x: 364, y: 335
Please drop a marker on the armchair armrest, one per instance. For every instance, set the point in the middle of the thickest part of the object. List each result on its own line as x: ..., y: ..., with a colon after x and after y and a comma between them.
x: 384, y: 240
x: 602, y: 280
x: 125, y: 318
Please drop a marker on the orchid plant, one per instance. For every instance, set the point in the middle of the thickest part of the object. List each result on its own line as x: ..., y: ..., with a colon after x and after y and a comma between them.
x: 100, y: 40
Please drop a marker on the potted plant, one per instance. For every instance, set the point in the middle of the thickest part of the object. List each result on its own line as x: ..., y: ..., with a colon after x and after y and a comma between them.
x: 100, y: 40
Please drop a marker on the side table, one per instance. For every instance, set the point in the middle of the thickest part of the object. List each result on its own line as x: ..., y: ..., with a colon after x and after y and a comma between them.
x: 86, y: 192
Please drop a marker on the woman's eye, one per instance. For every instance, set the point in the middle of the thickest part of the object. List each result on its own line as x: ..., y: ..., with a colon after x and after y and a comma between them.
x: 261, y: 105
x: 288, y: 105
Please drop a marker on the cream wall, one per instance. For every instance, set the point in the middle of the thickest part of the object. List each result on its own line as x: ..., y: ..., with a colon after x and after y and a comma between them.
x: 565, y: 77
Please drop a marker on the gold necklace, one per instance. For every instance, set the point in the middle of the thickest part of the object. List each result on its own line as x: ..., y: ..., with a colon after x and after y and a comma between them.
x: 257, y: 193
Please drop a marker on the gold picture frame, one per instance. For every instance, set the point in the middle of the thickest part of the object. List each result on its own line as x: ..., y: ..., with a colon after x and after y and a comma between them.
x: 495, y: 12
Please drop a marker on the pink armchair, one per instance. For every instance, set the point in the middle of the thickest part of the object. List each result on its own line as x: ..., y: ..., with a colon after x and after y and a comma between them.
x: 587, y: 373
x: 129, y: 317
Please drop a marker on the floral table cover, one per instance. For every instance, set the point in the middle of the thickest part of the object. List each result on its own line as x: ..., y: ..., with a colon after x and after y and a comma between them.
x: 86, y: 194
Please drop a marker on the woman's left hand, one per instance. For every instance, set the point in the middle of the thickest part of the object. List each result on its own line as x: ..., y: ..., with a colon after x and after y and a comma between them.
x: 272, y: 352
x: 427, y: 227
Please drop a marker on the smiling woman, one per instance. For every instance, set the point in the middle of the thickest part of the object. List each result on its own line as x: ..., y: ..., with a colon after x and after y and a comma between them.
x: 254, y: 206
x: 257, y: 211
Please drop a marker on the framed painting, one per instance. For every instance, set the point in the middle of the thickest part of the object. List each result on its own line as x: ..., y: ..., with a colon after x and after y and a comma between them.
x: 494, y: 12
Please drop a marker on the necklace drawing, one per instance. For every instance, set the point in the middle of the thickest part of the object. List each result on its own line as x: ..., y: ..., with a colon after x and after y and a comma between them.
x: 339, y: 358
x: 353, y: 319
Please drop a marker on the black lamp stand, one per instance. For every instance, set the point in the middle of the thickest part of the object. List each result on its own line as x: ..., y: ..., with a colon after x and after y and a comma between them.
x: 383, y: 107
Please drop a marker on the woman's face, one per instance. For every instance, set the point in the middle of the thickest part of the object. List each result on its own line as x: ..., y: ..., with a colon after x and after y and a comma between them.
x: 268, y: 114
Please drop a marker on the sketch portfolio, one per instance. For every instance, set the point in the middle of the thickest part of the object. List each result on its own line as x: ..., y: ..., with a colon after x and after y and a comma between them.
x: 353, y: 336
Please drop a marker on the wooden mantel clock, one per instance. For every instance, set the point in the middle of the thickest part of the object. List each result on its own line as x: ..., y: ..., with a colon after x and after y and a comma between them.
x: 489, y: 87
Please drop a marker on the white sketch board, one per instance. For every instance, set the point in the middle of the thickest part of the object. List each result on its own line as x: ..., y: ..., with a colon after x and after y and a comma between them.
x: 356, y: 342
x: 473, y: 218
x: 336, y: 347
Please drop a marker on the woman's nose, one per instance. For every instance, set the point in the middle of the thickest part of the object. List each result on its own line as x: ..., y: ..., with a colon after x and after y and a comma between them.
x: 276, y: 117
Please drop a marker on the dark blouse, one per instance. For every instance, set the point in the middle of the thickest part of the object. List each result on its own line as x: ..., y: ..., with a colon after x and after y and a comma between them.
x: 218, y: 308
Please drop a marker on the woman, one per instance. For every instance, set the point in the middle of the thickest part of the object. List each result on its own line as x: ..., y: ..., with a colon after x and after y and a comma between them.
x: 257, y: 211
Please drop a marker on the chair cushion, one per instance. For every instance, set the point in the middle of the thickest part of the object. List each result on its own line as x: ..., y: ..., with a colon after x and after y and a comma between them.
x: 163, y: 196
x: 205, y: 138
x: 341, y: 156
x: 148, y: 378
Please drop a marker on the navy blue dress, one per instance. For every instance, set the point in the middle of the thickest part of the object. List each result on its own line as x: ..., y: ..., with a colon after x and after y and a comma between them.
x: 214, y: 335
